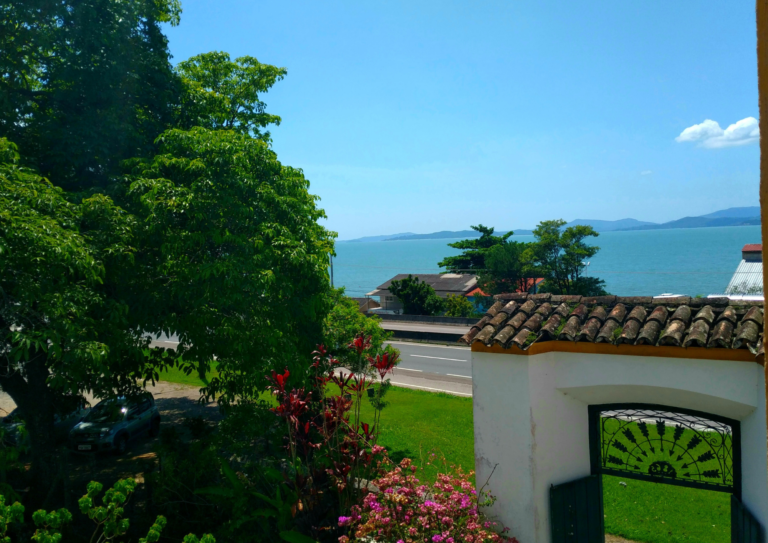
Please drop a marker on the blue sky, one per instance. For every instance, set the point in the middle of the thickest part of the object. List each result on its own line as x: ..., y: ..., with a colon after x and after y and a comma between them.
x: 435, y: 115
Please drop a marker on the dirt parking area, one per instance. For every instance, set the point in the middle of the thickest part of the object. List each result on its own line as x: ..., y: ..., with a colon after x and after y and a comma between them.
x: 175, y: 402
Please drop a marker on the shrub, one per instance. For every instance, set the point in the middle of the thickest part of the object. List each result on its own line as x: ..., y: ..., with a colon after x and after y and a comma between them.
x: 458, y: 306
x: 403, y: 510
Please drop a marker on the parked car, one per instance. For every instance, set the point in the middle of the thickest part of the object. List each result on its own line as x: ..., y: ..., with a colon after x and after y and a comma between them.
x: 62, y: 424
x: 112, y: 423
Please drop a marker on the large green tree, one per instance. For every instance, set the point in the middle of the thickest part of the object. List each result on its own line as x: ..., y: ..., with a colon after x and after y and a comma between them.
x: 509, y: 267
x: 85, y: 84
x: 560, y: 254
x: 475, y: 249
x: 149, y: 224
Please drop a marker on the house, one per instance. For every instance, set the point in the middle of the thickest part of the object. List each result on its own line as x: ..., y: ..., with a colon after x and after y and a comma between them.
x: 747, y: 280
x: 444, y: 284
x: 567, y: 389
x: 366, y: 304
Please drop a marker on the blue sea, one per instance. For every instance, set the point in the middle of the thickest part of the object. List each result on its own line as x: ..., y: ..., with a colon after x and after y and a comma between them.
x: 636, y: 263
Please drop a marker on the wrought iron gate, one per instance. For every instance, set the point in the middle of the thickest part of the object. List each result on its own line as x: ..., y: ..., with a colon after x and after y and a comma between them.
x: 659, y: 444
x: 666, y: 445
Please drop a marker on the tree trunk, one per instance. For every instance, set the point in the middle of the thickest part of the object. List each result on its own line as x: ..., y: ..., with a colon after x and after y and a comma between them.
x: 34, y: 399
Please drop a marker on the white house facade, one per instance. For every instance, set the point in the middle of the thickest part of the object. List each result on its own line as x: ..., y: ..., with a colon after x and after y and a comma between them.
x: 552, y: 375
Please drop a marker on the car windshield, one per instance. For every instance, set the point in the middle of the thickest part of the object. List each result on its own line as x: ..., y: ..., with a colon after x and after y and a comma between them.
x: 107, y: 411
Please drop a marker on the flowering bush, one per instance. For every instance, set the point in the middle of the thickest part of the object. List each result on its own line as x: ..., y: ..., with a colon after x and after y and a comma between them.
x: 402, y: 510
x: 330, y: 446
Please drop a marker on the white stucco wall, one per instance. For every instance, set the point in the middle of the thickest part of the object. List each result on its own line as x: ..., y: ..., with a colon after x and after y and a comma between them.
x: 531, y: 420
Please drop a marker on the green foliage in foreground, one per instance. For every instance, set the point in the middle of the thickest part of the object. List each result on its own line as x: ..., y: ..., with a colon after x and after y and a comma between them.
x: 417, y: 424
x: 108, y: 517
x: 659, y: 513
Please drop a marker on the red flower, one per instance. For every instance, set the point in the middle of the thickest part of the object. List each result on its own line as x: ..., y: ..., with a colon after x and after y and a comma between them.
x: 361, y: 343
x: 292, y: 407
x: 278, y: 381
x: 384, y: 363
x: 318, y: 355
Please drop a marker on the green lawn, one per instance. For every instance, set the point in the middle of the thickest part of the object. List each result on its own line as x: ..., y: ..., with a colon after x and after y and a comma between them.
x: 659, y: 513
x: 417, y: 424
x: 175, y: 375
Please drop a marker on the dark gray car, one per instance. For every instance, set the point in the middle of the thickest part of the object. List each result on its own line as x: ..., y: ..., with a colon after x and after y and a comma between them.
x: 112, y: 423
x: 62, y: 425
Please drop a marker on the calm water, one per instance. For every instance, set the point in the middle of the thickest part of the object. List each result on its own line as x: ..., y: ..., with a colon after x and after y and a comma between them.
x: 643, y: 263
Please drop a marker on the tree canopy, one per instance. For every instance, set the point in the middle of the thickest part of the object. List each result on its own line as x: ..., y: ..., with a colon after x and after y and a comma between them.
x: 222, y: 94
x: 85, y: 84
x: 239, y: 257
x: 475, y: 249
x: 509, y: 267
x: 556, y: 255
x: 560, y: 253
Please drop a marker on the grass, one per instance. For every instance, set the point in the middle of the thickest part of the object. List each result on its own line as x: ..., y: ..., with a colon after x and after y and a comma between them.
x: 418, y: 423
x: 659, y: 513
x: 175, y: 375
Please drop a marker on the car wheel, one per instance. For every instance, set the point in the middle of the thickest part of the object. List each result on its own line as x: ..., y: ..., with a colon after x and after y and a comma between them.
x: 121, y: 444
x: 154, y: 430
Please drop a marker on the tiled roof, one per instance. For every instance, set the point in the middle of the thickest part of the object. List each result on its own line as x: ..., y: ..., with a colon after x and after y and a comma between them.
x: 441, y: 282
x: 524, y: 319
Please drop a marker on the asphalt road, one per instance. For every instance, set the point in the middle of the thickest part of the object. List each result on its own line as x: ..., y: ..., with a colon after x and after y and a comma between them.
x: 443, y: 360
x: 423, y: 365
x: 435, y: 368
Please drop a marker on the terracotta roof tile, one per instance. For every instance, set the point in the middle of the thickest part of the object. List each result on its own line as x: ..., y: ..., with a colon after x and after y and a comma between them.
x: 706, y: 314
x: 523, y: 319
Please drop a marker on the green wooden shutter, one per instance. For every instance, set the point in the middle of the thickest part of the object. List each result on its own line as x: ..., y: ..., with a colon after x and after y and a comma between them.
x: 744, y: 527
x: 576, y: 511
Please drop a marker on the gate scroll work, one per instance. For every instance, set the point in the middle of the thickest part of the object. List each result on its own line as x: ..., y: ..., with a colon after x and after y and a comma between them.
x: 673, y: 446
x: 659, y: 444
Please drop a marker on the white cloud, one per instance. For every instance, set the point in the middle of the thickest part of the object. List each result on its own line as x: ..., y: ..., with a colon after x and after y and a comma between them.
x: 646, y: 172
x: 710, y: 135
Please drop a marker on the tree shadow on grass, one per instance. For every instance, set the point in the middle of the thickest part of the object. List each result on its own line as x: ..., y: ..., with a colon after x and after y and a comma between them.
x: 397, y: 455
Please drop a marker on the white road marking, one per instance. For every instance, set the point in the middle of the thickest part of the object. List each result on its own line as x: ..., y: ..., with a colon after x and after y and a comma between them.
x: 409, y: 369
x: 430, y: 388
x: 439, y: 358
x: 454, y: 375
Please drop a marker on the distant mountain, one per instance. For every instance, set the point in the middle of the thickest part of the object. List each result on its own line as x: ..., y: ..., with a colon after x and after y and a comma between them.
x: 609, y: 226
x: 379, y: 238
x: 448, y: 234
x: 735, y: 212
x: 734, y: 216
x: 701, y: 222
